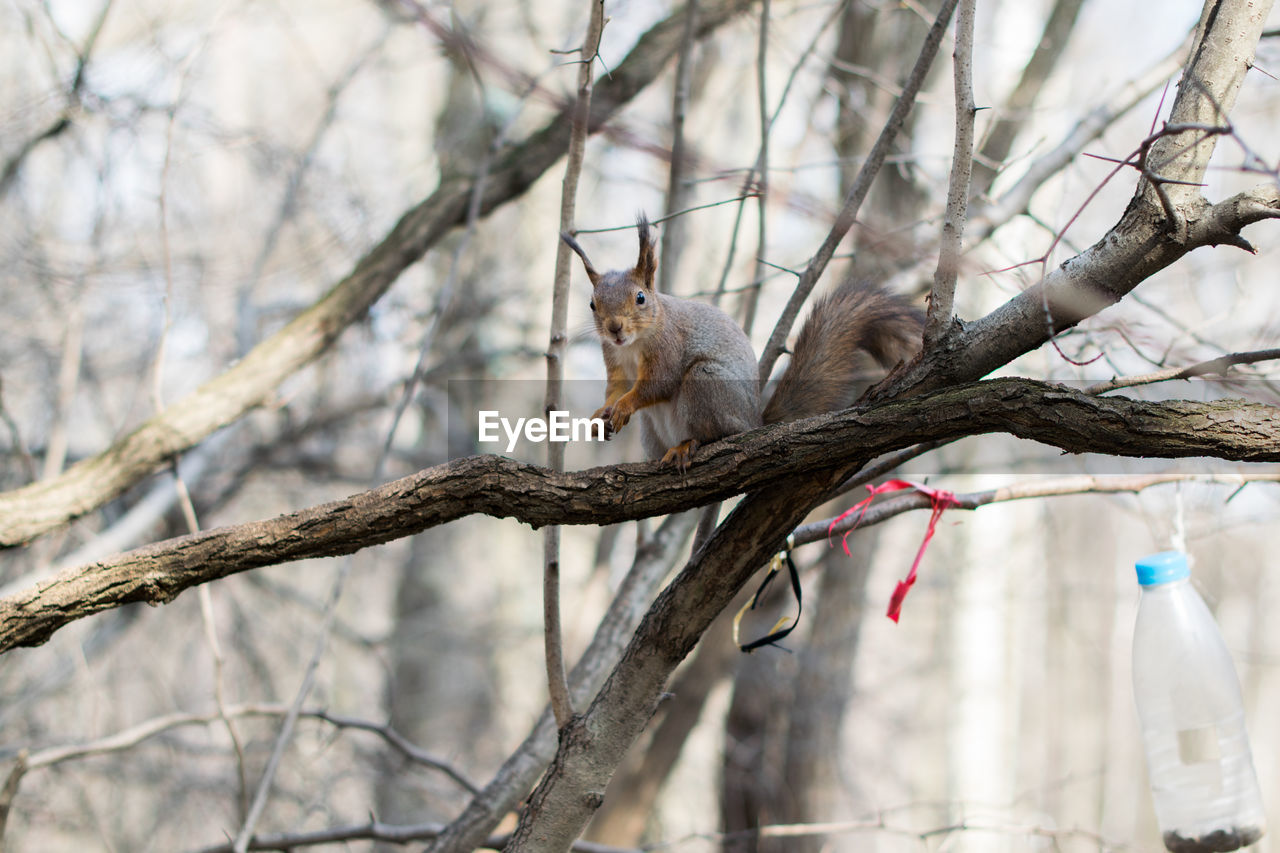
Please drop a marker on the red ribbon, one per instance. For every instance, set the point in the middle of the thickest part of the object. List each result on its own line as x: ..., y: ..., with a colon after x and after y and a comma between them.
x: 939, y: 499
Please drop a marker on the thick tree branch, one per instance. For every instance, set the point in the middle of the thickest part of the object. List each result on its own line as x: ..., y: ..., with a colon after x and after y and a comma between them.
x: 1225, y: 41
x: 40, y: 507
x: 491, y: 485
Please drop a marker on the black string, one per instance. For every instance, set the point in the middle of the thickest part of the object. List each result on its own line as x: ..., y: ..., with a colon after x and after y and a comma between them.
x: 772, y: 638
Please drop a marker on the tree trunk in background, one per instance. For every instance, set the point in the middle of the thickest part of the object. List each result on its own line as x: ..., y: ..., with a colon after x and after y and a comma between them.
x: 751, y: 781
x: 813, y: 780
x: 441, y: 682
x: 630, y: 800
x: 874, y: 38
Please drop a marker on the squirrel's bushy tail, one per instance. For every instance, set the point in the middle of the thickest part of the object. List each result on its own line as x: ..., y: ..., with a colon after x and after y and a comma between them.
x: 828, y: 365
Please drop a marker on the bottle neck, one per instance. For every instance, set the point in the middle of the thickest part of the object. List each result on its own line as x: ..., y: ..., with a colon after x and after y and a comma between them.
x: 1166, y: 585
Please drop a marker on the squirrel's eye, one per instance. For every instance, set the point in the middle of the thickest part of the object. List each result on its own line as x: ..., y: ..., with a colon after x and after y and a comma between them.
x: 592, y: 305
x: 639, y: 297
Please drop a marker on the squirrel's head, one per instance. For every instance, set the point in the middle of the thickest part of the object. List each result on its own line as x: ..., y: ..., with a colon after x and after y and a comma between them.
x: 624, y: 303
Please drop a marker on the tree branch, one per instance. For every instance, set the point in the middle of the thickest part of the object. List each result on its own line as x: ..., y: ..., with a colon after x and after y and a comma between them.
x: 491, y: 485
x: 557, y: 686
x: 1100, y: 276
x: 1144, y: 241
x: 521, y: 770
x: 1215, y: 366
x: 884, y: 510
x: 595, y: 742
x: 40, y: 507
x: 857, y: 191
x: 940, y: 318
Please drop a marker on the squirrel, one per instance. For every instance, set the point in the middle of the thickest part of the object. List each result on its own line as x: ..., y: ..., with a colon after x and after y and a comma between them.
x: 690, y: 372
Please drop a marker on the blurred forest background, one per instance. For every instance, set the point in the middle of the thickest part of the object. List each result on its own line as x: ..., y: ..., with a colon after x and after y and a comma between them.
x: 181, y: 179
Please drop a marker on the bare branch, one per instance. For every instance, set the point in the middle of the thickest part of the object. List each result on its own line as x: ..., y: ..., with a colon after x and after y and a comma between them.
x: 75, y: 97
x: 942, y: 299
x: 521, y: 770
x: 553, y: 643
x: 1057, y: 487
x: 1214, y: 366
x: 1132, y: 251
x: 391, y: 833
x: 988, y: 216
x: 857, y: 191
x: 672, y: 237
x: 751, y: 298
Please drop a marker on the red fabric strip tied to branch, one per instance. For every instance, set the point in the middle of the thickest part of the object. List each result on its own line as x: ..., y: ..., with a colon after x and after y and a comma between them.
x: 940, y: 500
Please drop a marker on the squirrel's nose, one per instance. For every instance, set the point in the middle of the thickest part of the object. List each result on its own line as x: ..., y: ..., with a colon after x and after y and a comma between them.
x: 615, y: 326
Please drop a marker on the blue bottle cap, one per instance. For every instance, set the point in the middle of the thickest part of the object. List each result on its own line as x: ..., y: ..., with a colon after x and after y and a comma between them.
x: 1162, y: 568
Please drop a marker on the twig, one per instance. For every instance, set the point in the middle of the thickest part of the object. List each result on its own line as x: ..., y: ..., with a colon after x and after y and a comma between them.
x: 68, y: 379
x: 991, y: 215
x: 444, y: 298
x: 557, y: 682
x: 75, y: 97
x: 942, y: 299
x: 887, y: 463
x: 1075, y: 485
x: 391, y: 833
x: 520, y: 771
x: 677, y: 185
x: 881, y: 823
x: 205, y: 596
x: 134, y: 735
x: 749, y: 193
x: 293, y: 186
x: 858, y: 190
x: 1219, y: 365
x: 15, y: 439
x: 752, y: 298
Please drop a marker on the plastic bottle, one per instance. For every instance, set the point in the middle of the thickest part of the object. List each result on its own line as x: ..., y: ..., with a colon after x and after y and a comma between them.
x: 1198, y: 760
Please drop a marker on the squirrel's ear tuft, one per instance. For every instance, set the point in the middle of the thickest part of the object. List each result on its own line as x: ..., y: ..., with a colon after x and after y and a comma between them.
x: 592, y: 275
x: 647, y: 262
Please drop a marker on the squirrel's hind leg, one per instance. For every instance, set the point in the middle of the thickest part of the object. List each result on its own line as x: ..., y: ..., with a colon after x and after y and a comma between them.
x: 681, y: 454
x: 712, y: 404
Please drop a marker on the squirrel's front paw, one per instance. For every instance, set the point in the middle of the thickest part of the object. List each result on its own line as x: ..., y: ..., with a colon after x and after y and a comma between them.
x: 615, y: 417
x: 605, y: 413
